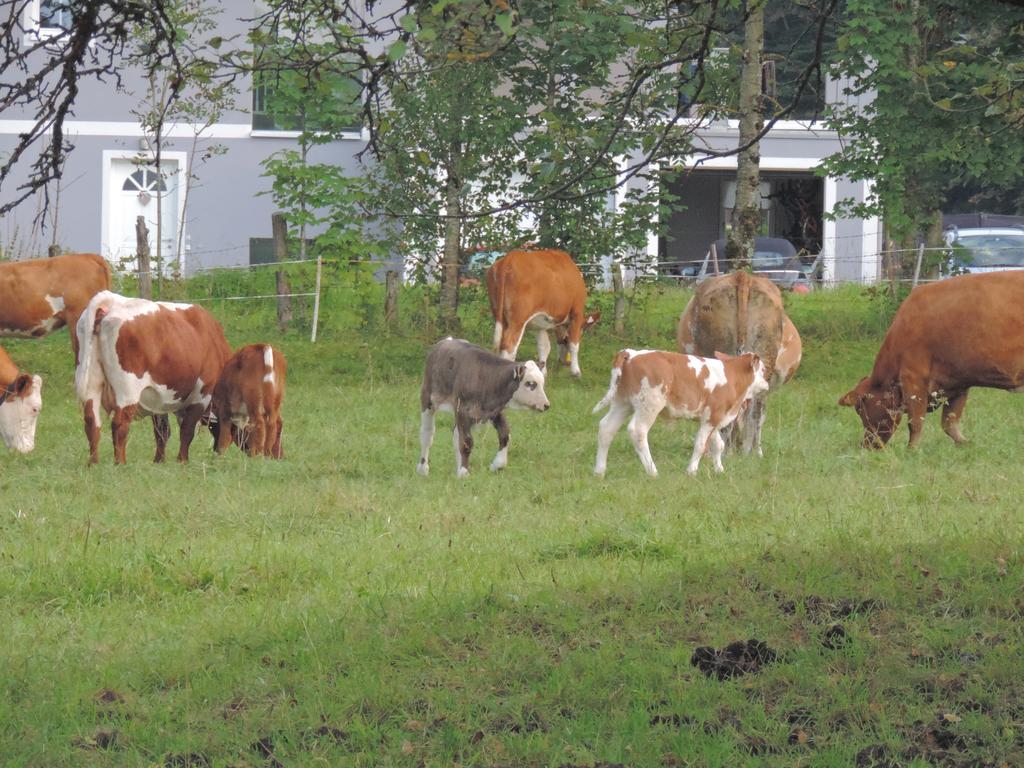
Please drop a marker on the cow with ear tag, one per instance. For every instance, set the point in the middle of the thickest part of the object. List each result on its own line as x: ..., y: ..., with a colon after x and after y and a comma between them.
x: 474, y: 385
x: 20, y: 402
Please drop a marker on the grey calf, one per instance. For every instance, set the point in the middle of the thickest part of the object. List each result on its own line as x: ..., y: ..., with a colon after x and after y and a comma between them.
x: 476, y: 386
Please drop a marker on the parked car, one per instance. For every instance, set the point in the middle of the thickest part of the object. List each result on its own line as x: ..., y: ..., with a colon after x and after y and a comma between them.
x: 774, y: 257
x: 472, y: 271
x: 983, y: 249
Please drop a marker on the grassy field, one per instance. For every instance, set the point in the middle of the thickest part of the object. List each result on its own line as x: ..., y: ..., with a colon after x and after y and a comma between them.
x: 336, y: 609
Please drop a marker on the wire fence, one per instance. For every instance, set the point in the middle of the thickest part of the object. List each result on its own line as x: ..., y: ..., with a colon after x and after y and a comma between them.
x: 353, y: 294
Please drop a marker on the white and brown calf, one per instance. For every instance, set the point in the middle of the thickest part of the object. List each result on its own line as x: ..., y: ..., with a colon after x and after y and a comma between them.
x: 645, y: 384
x: 247, y: 401
x: 21, y: 399
x: 476, y: 386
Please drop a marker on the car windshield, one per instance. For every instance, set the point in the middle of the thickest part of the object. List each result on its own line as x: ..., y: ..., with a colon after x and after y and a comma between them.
x: 994, y: 250
x: 768, y: 259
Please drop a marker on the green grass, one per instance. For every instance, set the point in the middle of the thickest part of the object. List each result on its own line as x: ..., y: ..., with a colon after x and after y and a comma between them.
x: 340, y: 610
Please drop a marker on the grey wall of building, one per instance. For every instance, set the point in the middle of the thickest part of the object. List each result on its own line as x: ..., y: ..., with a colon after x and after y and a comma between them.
x: 225, y: 205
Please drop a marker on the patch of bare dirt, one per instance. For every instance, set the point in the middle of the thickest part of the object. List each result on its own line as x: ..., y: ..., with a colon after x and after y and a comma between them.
x: 109, y: 696
x: 819, y: 609
x: 876, y: 756
x: 186, y: 760
x: 102, y: 739
x: 736, y: 659
x: 835, y: 637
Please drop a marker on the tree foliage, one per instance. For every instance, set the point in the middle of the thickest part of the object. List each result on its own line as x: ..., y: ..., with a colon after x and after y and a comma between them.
x: 938, y: 103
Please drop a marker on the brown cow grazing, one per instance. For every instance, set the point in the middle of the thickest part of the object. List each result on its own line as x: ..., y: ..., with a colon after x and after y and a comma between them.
x: 21, y: 398
x: 644, y: 383
x: 739, y: 313
x: 946, y: 337
x: 247, y: 401
x: 142, y: 357
x: 41, y: 295
x: 541, y: 290
x: 476, y: 386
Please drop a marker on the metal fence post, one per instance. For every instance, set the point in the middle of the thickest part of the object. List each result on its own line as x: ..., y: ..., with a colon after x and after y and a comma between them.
x: 619, y: 311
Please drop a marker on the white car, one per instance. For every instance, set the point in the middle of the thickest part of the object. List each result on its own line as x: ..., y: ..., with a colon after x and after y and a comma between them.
x: 988, y: 249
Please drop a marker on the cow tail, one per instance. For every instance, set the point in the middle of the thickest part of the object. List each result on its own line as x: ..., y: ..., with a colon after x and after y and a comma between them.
x: 88, y: 345
x: 742, y: 303
x: 613, y: 385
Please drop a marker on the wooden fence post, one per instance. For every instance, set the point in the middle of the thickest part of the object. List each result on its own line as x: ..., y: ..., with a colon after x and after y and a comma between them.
x: 284, y: 299
x: 619, y: 312
x: 917, y: 266
x: 142, y: 249
x: 391, y: 298
x: 714, y: 258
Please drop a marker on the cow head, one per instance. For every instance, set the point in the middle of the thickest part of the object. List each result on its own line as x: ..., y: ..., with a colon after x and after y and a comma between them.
x: 20, y: 404
x: 529, y: 392
x: 759, y: 383
x: 880, y: 409
x: 562, y: 335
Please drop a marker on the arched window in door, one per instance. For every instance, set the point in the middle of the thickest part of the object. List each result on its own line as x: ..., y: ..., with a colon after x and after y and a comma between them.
x: 144, y: 180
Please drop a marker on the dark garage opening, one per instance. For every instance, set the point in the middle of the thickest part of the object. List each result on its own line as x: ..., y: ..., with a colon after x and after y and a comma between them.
x: 792, y: 204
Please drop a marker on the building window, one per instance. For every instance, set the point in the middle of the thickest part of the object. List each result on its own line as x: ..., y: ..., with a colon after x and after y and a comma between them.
x: 55, y: 14
x: 285, y: 99
x: 144, y: 180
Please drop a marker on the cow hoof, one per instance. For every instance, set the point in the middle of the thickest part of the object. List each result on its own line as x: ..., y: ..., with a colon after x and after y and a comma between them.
x: 462, y: 472
x: 598, y: 473
x: 496, y: 466
x: 691, y: 471
x: 422, y: 469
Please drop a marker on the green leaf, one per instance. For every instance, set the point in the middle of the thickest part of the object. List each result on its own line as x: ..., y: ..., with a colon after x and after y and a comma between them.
x: 216, y: 42
x: 397, y: 50
x: 504, y: 22
x: 408, y: 23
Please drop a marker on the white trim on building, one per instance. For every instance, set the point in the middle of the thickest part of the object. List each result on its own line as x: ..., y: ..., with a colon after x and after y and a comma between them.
x: 133, y: 129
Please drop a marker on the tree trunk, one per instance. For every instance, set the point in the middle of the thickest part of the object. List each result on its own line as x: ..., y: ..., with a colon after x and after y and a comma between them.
x: 450, y: 259
x: 746, y: 216
x: 284, y: 300
x: 142, y: 249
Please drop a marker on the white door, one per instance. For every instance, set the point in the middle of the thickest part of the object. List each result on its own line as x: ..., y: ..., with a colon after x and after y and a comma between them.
x: 138, y: 190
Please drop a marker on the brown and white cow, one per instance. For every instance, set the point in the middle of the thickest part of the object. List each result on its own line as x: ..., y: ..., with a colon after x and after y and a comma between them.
x: 541, y: 290
x: 247, y: 401
x: 142, y: 357
x: 739, y: 313
x: 41, y: 295
x: 476, y: 386
x: 946, y: 337
x: 646, y: 383
x: 21, y: 399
